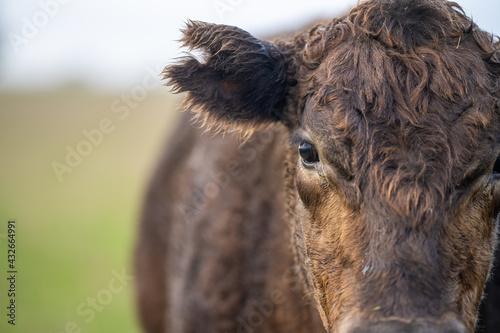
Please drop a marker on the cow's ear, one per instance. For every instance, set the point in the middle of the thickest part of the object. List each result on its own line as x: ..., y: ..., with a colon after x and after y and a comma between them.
x: 240, y: 83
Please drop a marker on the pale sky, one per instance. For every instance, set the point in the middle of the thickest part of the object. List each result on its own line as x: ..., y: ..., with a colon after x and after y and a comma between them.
x: 113, y: 44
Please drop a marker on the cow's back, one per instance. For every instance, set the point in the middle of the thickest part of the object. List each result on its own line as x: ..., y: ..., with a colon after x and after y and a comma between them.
x: 215, y: 250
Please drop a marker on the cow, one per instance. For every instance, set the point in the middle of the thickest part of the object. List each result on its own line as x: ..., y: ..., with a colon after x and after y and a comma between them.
x: 349, y: 183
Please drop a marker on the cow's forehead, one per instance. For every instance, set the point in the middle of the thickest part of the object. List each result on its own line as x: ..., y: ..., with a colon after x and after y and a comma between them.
x: 429, y: 87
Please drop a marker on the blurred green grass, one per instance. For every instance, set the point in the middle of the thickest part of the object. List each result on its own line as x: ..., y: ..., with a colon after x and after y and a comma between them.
x: 72, y: 235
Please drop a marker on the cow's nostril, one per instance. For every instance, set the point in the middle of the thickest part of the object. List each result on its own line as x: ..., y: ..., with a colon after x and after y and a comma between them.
x: 358, y: 325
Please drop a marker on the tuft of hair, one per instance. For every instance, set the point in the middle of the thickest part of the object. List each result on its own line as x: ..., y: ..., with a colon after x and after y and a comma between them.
x: 239, y: 85
x: 408, y: 24
x: 423, y: 40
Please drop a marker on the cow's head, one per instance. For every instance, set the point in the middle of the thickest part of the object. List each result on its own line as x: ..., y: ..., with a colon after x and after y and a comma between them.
x: 394, y: 119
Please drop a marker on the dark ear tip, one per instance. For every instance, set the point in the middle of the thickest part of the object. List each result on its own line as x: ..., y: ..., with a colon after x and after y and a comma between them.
x: 178, y: 75
x: 167, y: 76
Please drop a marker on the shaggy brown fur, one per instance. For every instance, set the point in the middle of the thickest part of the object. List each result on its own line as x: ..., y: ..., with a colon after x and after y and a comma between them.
x: 393, y: 223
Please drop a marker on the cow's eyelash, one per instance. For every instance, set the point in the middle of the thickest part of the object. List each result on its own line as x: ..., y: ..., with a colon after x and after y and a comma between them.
x: 296, y: 139
x: 299, y: 136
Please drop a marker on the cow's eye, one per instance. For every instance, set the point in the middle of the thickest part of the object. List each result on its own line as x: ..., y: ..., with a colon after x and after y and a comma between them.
x: 496, y: 167
x: 308, y: 153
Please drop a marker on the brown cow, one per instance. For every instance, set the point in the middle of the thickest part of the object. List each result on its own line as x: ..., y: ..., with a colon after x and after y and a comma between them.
x: 373, y: 139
